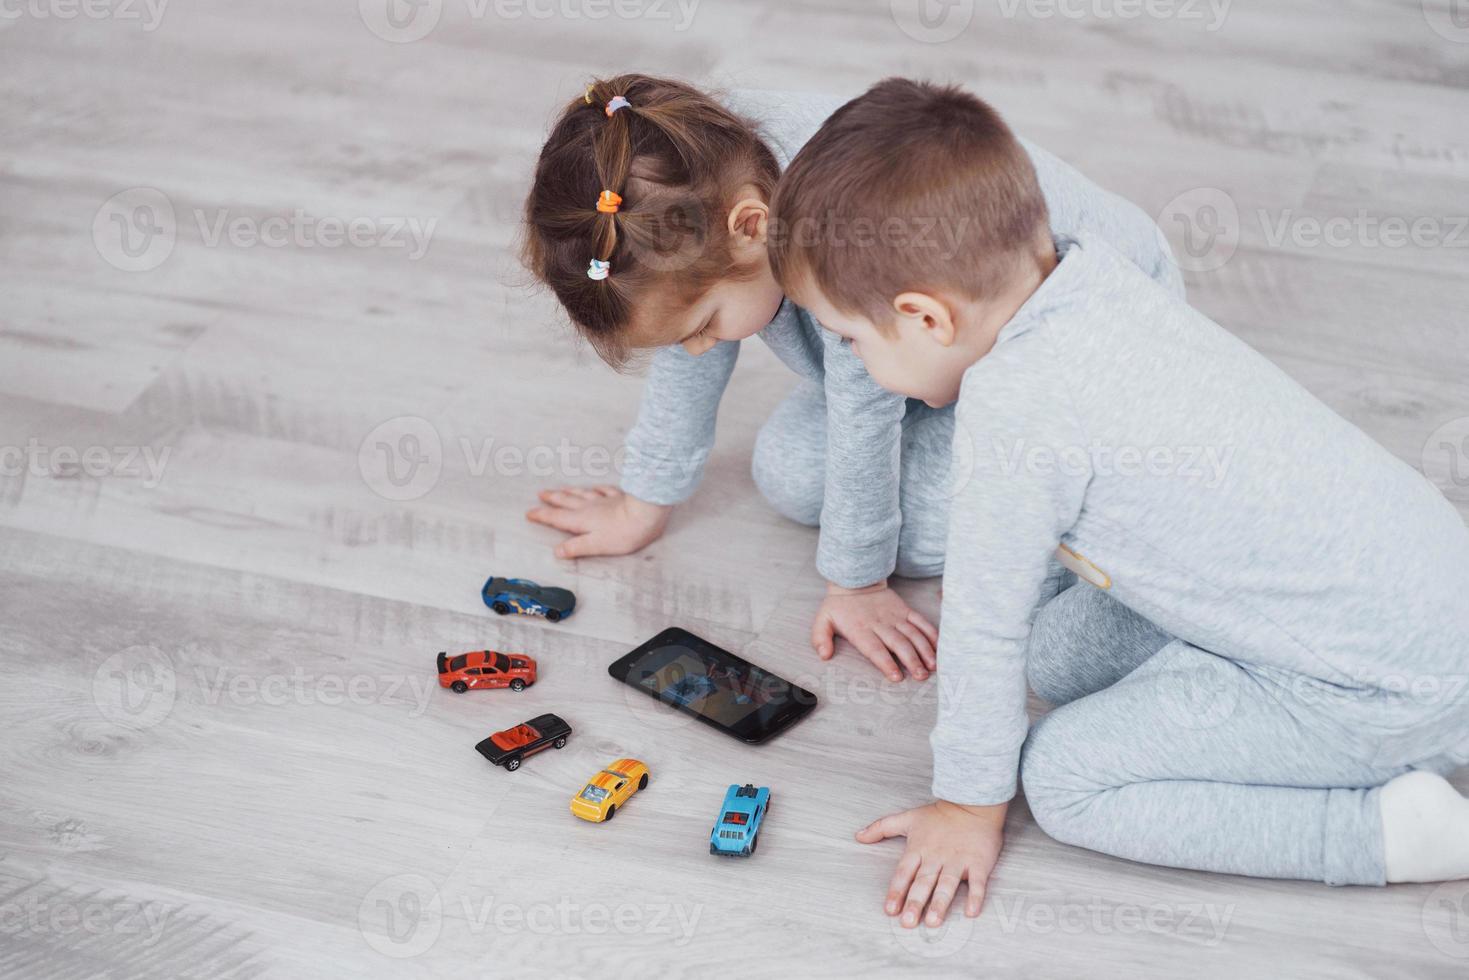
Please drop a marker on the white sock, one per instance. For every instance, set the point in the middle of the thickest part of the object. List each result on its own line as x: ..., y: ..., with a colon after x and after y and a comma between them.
x: 1425, y: 828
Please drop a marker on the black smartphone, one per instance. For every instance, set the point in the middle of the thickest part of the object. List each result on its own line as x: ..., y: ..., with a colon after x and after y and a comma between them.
x: 715, y: 686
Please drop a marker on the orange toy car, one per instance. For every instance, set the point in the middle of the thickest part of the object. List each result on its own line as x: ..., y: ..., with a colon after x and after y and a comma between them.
x: 486, y: 668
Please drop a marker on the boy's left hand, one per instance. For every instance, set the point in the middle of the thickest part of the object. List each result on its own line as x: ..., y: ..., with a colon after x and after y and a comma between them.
x: 947, y: 843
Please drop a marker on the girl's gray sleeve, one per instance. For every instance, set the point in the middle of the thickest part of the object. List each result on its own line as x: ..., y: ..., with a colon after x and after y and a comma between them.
x: 674, y: 432
x: 860, y: 513
x: 1014, y: 419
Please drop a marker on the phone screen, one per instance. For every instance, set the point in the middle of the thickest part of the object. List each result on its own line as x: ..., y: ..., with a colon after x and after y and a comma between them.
x: 712, y: 684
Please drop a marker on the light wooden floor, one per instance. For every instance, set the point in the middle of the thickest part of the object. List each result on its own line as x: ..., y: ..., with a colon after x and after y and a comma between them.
x: 220, y: 756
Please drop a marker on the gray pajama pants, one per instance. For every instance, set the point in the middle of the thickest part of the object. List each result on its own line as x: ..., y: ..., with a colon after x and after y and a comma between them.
x: 789, y: 467
x: 1163, y: 753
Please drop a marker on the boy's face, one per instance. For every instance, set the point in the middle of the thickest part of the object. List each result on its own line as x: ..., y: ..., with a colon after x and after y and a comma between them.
x: 910, y: 354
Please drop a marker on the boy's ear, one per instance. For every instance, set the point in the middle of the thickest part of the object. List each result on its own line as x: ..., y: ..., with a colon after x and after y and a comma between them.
x: 930, y: 314
x: 749, y: 220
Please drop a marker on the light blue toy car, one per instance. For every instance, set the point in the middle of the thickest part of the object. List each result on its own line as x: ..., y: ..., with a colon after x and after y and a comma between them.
x: 738, y: 831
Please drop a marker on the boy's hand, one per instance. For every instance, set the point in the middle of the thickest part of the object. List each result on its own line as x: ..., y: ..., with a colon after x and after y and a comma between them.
x: 881, y: 626
x: 603, y: 520
x: 947, y: 843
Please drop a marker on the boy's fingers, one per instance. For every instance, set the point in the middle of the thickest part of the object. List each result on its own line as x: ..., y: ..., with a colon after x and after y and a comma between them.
x: 562, y: 520
x: 583, y: 546
x: 870, y: 646
x: 943, y: 894
x: 562, y: 498
x: 977, y: 888
x: 920, y: 643
x: 900, y: 882
x: 823, y: 636
x: 929, y: 630
x: 918, y: 893
x: 902, y: 648
x: 608, y: 490
x: 892, y: 825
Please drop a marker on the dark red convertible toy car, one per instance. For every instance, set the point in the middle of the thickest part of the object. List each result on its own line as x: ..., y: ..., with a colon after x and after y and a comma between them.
x: 510, y: 747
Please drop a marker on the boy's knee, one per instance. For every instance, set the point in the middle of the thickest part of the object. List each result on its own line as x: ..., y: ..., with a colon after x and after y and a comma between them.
x: 787, y: 481
x: 1057, y: 794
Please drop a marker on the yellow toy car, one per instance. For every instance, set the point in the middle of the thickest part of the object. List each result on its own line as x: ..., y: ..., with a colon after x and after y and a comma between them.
x: 609, y: 789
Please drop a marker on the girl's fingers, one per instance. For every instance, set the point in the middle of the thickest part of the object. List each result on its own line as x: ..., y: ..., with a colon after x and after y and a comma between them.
x: 899, y: 884
x: 929, y: 630
x: 585, y: 493
x: 902, y: 648
x: 918, y: 893
x: 583, y: 546
x: 561, y: 519
x: 920, y: 643
x: 943, y: 894
x: 871, y: 646
x: 608, y: 490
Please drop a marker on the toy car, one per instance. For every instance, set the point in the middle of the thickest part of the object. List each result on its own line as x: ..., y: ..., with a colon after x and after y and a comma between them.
x: 518, y: 595
x: 738, y: 831
x: 486, y: 668
x: 510, y: 747
x: 609, y: 789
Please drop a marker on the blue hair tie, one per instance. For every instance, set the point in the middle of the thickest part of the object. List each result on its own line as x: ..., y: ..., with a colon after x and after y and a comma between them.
x: 599, y: 269
x: 615, y: 103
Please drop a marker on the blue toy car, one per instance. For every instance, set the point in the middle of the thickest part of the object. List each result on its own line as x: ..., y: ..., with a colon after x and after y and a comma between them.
x: 738, y: 830
x: 518, y: 595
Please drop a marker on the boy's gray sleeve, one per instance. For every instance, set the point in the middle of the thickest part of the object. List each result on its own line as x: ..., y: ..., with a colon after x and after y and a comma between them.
x: 1079, y: 206
x: 860, y: 515
x: 670, y: 442
x: 1004, y: 525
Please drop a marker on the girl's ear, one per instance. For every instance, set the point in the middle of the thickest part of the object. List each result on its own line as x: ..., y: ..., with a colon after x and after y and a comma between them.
x: 749, y: 220
x: 929, y: 314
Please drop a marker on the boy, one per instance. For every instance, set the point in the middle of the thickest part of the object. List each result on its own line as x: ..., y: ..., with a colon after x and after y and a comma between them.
x: 1255, y: 663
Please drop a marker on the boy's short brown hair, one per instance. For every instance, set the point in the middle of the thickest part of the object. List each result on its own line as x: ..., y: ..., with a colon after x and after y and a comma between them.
x: 909, y: 186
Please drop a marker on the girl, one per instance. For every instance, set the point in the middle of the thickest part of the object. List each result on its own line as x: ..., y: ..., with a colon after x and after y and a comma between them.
x: 648, y: 217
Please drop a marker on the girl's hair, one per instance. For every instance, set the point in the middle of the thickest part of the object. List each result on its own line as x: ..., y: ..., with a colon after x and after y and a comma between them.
x: 676, y: 158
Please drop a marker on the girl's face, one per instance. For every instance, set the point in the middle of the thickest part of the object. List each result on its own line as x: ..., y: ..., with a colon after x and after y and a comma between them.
x: 731, y: 309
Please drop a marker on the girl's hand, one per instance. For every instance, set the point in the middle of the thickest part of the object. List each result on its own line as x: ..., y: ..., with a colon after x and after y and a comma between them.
x: 947, y: 843
x: 603, y: 520
x: 882, y: 627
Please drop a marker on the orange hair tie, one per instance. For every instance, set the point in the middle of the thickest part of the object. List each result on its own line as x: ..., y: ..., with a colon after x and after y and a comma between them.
x: 608, y: 202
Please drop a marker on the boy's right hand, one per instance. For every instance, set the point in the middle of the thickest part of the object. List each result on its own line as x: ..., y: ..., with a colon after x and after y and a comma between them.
x: 602, y: 520
x: 883, y: 628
